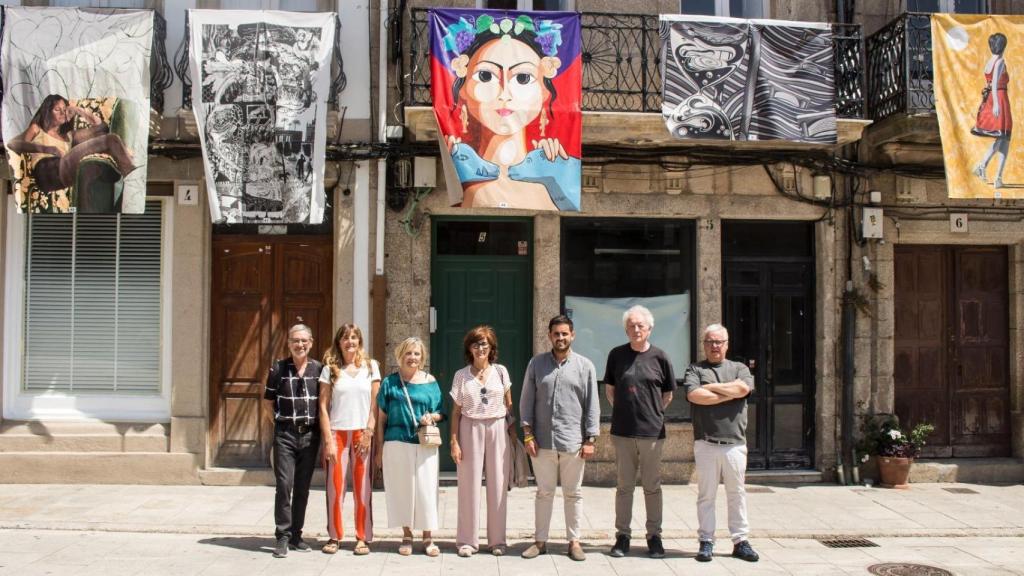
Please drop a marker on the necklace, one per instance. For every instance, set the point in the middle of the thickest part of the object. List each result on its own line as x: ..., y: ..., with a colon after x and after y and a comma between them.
x: 479, y: 374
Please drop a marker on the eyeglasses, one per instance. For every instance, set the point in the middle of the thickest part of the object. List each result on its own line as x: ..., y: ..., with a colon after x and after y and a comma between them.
x: 714, y: 343
x: 299, y: 340
x: 480, y: 345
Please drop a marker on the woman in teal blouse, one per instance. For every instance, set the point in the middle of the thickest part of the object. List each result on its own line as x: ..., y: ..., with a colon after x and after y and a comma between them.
x: 408, y: 399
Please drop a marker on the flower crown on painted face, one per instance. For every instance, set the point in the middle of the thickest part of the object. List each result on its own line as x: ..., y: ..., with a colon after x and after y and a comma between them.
x: 463, y: 33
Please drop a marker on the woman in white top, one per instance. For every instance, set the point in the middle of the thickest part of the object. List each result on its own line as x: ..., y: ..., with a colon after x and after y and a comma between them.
x: 348, y: 396
x: 482, y: 395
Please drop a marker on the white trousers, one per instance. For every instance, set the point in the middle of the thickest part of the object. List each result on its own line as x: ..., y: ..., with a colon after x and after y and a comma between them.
x: 548, y: 467
x: 727, y: 464
x: 410, y: 485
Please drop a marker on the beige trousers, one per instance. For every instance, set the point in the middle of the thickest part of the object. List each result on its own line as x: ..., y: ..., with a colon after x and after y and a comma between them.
x: 632, y: 454
x: 484, y: 449
x: 726, y: 463
x: 548, y: 467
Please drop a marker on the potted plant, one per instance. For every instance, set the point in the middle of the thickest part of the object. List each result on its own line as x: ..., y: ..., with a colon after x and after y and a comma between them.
x: 893, y: 448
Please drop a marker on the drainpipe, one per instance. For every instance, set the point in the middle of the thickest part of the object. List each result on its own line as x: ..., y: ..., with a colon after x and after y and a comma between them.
x: 846, y: 459
x: 379, y: 284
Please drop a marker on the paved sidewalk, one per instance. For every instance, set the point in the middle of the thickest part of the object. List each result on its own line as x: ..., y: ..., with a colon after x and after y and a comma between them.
x: 208, y: 530
x: 811, y: 511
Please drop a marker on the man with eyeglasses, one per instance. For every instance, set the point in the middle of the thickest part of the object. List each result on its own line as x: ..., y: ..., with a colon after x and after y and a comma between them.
x: 292, y: 392
x: 560, y: 411
x: 639, y: 383
x: 718, y: 388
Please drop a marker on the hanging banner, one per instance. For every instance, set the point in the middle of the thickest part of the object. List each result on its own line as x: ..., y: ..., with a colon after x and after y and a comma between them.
x: 974, y: 59
x: 734, y: 79
x: 260, y: 85
x: 76, y: 108
x: 506, y: 88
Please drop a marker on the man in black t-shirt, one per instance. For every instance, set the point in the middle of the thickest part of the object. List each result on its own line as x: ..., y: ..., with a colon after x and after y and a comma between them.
x: 639, y: 382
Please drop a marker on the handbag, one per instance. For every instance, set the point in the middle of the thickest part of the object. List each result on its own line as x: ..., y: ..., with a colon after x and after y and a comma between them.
x: 429, y: 434
x: 518, y: 470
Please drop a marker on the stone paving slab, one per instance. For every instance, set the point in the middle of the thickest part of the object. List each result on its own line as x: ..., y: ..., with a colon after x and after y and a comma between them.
x: 87, y: 553
x: 785, y: 512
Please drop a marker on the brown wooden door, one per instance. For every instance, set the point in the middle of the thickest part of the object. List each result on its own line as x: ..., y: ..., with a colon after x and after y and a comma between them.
x: 261, y: 286
x: 951, y: 354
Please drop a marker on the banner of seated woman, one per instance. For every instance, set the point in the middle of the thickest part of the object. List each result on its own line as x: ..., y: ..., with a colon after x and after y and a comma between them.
x: 735, y: 79
x: 506, y: 88
x: 76, y: 108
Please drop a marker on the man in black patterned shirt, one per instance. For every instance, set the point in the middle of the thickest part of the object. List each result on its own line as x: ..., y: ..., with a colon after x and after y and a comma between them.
x: 292, y: 391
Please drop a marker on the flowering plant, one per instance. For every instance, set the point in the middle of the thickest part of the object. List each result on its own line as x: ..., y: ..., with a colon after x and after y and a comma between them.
x: 882, y: 436
x: 461, y: 35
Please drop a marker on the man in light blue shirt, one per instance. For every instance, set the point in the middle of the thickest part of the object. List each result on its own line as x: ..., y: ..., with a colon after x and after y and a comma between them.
x: 560, y: 411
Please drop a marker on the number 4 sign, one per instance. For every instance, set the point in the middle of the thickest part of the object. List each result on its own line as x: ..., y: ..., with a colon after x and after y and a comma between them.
x: 958, y: 222
x: 188, y: 194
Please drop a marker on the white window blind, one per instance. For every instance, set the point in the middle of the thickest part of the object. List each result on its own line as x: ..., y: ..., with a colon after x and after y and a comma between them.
x: 92, y: 303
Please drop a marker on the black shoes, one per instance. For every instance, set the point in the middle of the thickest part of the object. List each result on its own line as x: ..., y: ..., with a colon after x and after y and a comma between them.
x: 299, y: 545
x: 281, y: 547
x: 707, y: 550
x: 743, y: 551
x: 655, y: 549
x: 621, y: 547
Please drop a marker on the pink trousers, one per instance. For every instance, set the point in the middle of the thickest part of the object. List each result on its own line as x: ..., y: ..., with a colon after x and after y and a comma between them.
x: 484, y: 450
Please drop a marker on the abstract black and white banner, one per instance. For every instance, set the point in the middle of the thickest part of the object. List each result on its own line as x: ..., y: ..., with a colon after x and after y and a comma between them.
x: 260, y: 84
x: 76, y: 108
x: 733, y: 79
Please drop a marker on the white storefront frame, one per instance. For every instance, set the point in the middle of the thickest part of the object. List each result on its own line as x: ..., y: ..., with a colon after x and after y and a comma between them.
x: 21, y: 405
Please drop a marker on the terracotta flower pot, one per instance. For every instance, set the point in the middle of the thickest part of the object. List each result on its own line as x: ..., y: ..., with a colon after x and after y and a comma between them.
x: 895, y: 472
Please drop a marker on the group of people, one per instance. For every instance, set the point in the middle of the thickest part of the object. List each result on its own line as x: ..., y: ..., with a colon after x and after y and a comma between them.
x: 364, y: 421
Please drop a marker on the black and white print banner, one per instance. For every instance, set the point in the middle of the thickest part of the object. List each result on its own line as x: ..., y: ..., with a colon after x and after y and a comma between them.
x: 76, y: 108
x: 734, y: 79
x: 260, y: 84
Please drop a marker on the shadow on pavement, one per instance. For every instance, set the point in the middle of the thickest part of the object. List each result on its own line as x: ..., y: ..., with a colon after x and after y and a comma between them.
x: 248, y: 543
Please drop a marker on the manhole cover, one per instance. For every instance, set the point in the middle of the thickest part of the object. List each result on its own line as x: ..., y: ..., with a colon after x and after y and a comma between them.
x: 847, y: 543
x: 903, y: 569
x: 759, y: 490
x: 961, y: 491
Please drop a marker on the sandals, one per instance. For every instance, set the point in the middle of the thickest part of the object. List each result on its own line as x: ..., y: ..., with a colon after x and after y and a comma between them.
x: 361, y: 548
x: 331, y: 547
x: 405, y: 549
x: 431, y: 549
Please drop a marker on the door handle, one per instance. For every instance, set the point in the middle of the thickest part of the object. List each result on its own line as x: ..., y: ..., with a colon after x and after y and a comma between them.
x: 433, y: 319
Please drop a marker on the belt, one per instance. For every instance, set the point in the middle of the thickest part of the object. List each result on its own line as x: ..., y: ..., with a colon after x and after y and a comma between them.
x: 719, y: 442
x: 300, y: 428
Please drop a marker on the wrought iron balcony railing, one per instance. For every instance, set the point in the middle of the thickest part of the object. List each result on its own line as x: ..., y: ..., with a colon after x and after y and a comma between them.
x: 622, y: 64
x: 899, y: 72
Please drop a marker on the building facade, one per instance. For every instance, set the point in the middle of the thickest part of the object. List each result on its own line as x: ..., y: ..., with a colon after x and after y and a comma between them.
x: 765, y: 238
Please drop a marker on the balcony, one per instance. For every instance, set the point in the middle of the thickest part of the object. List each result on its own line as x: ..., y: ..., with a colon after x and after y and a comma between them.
x: 622, y: 77
x: 899, y: 91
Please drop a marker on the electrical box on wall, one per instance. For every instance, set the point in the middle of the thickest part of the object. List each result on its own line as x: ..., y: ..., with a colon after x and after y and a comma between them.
x: 424, y: 172
x: 871, y: 225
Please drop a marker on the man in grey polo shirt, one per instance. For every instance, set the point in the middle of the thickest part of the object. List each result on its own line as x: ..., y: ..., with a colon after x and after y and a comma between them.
x: 718, y: 389
x: 560, y: 411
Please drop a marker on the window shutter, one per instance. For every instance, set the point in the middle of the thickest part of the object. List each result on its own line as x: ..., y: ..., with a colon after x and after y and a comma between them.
x: 92, y: 318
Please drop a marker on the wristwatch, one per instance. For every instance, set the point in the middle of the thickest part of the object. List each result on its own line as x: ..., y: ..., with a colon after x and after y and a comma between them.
x: 590, y: 439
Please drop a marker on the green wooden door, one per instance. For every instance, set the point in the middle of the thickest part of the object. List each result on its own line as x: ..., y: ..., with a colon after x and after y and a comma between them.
x: 481, y: 273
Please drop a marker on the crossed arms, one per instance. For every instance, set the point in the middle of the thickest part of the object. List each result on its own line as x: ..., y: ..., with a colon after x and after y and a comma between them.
x: 718, y: 392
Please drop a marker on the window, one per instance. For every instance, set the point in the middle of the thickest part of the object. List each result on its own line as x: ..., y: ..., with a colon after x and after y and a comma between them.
x: 526, y: 4
x: 286, y: 5
x: 730, y: 8
x: 609, y: 264
x: 957, y: 6
x: 90, y: 315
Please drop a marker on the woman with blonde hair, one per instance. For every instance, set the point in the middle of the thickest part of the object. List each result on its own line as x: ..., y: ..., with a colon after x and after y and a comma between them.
x: 349, y: 384
x: 408, y: 399
x: 482, y: 398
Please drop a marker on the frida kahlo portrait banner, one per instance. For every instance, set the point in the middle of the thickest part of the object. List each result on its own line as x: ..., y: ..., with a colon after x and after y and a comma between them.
x: 75, y: 115
x: 975, y: 58
x: 735, y: 79
x: 260, y: 85
x: 506, y: 88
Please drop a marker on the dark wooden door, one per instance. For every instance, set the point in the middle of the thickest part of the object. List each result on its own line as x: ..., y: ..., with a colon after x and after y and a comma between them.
x: 473, y: 284
x: 768, y: 311
x: 951, y: 347
x: 261, y: 286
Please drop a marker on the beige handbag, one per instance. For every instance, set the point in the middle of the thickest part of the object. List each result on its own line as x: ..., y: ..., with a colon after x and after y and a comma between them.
x: 429, y: 435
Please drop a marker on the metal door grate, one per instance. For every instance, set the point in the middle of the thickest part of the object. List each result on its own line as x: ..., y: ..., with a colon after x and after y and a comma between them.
x: 906, y: 569
x: 961, y: 491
